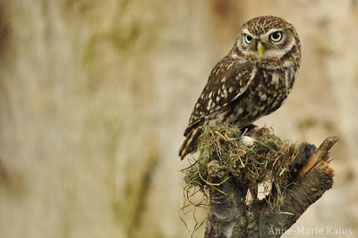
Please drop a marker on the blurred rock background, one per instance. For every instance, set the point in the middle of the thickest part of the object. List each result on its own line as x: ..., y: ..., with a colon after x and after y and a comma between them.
x: 95, y: 95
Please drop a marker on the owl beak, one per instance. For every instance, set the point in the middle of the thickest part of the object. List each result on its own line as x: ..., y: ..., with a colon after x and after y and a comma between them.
x: 260, y: 49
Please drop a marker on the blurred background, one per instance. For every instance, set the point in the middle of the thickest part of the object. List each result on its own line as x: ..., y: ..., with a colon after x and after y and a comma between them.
x: 95, y: 95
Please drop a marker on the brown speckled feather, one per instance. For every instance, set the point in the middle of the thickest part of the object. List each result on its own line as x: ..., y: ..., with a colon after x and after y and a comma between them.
x: 220, y: 89
x: 246, y: 85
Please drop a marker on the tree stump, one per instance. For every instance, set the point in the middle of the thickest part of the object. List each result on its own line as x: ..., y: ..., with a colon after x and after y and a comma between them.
x: 232, y: 166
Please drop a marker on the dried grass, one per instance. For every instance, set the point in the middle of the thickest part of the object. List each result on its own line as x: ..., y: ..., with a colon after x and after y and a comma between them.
x: 268, y: 159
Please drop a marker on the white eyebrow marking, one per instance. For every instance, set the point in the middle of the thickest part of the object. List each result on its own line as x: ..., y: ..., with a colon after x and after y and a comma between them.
x: 246, y: 31
x: 273, y: 30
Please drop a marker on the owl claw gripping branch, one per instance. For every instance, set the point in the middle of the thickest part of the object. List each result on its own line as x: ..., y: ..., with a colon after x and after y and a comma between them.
x: 252, y: 81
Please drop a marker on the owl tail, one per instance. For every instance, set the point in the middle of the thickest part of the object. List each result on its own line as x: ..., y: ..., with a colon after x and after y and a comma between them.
x: 190, y: 144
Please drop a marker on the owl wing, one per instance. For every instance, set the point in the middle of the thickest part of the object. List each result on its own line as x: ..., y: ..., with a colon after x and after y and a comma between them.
x: 227, y: 81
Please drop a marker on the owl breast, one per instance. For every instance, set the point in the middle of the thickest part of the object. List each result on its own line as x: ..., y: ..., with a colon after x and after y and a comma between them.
x: 267, y: 92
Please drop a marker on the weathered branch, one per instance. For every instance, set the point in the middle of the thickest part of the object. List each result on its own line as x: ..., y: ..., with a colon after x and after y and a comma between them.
x: 319, y: 155
x: 231, y: 217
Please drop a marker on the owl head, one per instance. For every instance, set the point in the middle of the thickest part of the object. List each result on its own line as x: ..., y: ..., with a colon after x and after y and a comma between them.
x: 267, y: 38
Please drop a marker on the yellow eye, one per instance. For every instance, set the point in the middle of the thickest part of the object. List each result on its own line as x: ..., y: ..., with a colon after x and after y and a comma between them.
x: 248, y: 38
x: 276, y: 36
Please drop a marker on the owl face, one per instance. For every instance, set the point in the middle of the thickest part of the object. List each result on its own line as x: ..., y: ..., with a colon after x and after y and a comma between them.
x: 267, y: 38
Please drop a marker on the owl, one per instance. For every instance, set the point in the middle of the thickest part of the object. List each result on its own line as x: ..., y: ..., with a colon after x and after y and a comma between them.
x: 251, y: 81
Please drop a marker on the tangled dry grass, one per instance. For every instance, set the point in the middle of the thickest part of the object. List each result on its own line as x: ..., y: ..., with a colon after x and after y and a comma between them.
x: 268, y: 158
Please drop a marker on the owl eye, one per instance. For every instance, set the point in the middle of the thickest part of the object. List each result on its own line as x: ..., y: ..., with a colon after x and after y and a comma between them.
x: 276, y: 36
x: 248, y: 38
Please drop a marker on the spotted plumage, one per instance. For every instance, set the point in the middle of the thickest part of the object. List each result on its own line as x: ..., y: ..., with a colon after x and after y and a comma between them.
x: 253, y: 80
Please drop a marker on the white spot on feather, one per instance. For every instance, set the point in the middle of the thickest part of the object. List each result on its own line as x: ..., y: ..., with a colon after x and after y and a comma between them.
x: 224, y: 94
x: 230, y: 65
x: 287, y: 64
x: 253, y: 73
x: 209, y: 105
x: 243, y: 89
x: 241, y: 61
x: 275, y: 78
x: 263, y: 97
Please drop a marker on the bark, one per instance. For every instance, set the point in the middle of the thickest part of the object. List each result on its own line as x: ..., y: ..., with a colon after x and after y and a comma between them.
x: 231, y: 217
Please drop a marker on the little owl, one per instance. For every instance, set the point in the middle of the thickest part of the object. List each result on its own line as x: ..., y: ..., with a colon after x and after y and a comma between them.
x: 252, y: 81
